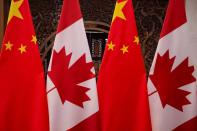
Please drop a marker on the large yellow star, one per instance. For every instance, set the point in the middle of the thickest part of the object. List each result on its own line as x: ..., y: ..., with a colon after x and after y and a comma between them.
x: 124, y: 49
x: 34, y: 39
x: 118, y: 10
x: 136, y: 40
x: 111, y: 46
x: 8, y: 46
x: 22, y: 49
x: 14, y: 10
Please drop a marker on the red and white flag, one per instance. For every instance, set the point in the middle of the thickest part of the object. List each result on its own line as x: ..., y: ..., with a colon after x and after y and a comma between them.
x: 172, y: 82
x: 71, y: 84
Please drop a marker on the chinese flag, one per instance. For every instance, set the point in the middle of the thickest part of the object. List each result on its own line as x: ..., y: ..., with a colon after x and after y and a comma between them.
x: 23, y: 104
x: 71, y: 84
x: 122, y: 83
x: 172, y: 82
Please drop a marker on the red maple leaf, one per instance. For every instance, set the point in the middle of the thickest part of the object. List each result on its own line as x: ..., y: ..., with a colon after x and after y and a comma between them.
x: 67, y: 79
x: 168, y: 81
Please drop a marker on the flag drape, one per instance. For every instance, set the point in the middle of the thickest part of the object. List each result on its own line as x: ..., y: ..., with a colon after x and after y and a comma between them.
x: 71, y: 84
x: 23, y: 104
x: 172, y: 82
x: 122, y: 89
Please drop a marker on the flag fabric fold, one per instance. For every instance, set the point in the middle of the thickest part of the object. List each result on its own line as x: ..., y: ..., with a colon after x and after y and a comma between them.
x: 23, y: 104
x: 172, y: 85
x: 123, y: 98
x: 71, y: 84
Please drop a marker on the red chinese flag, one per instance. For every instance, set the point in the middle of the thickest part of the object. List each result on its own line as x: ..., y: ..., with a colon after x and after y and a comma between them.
x: 23, y: 104
x: 122, y: 78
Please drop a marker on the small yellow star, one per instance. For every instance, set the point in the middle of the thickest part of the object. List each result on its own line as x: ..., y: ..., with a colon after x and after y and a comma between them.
x: 34, y: 39
x: 22, y: 49
x: 118, y: 10
x: 14, y: 10
x: 111, y: 46
x: 124, y: 49
x: 136, y: 40
x: 8, y: 46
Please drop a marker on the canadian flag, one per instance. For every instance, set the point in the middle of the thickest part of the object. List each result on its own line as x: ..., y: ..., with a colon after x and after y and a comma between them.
x: 172, y: 82
x: 71, y: 84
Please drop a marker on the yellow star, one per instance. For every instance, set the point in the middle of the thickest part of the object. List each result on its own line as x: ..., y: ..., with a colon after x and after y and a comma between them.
x: 118, y: 10
x: 124, y: 49
x: 136, y: 40
x: 22, y: 49
x: 14, y: 10
x: 34, y: 39
x: 8, y: 46
x: 111, y: 46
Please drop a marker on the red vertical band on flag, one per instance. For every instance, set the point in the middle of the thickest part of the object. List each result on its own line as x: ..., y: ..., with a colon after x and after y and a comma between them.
x: 89, y: 124
x: 176, y: 13
x: 70, y: 13
x: 188, y: 126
